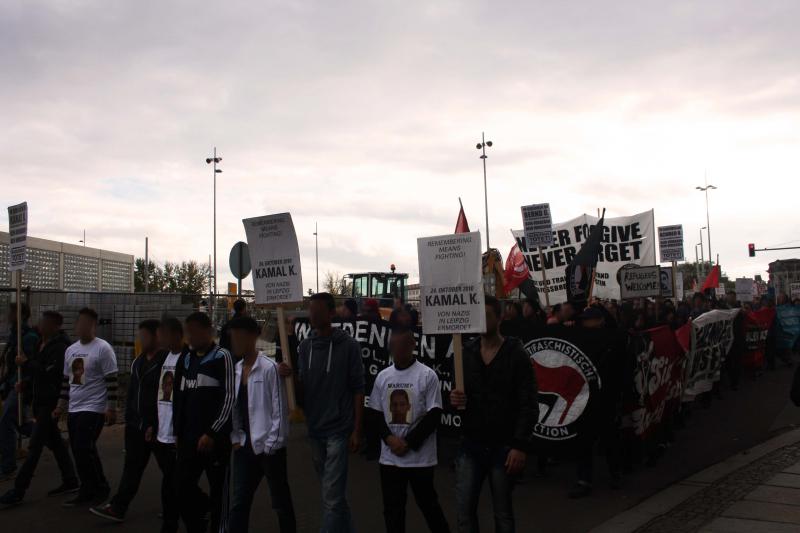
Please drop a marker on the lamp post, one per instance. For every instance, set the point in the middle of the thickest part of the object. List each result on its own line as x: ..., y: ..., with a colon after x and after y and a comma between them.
x: 214, y: 160
x: 702, y: 258
x: 482, y: 146
x: 84, y: 239
x: 696, y: 262
x: 708, y: 221
x: 316, y: 251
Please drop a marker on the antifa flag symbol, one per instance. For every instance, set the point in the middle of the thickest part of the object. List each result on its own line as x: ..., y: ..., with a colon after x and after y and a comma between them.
x: 563, y: 382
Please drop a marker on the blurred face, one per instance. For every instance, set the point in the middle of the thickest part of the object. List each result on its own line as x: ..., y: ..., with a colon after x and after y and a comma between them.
x: 566, y: 313
x: 492, y: 320
x: 148, y: 341
x: 593, y: 323
x: 511, y: 312
x: 527, y: 310
x: 243, y: 342
x: 85, y: 326
x: 48, y: 327
x: 198, y: 335
x: 319, y: 314
x: 402, y: 347
x: 169, y: 339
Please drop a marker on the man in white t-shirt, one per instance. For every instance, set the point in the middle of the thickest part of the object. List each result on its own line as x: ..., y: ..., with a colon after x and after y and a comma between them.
x: 89, y: 395
x: 406, y: 408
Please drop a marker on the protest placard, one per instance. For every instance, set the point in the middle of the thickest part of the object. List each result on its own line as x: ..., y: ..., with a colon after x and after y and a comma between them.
x: 277, y: 279
x: 537, y: 225
x: 745, y: 289
x: 670, y: 243
x: 794, y: 290
x: 640, y: 282
x: 667, y: 283
x: 18, y: 236
x: 451, y: 289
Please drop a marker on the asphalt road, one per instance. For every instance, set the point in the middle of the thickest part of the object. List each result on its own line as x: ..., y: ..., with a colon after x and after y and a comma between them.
x: 734, y: 423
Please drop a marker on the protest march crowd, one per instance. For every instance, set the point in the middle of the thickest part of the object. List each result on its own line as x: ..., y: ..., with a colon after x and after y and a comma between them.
x: 194, y: 402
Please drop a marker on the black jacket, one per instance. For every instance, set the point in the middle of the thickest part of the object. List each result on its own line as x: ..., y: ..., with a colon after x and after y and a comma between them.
x: 501, y: 398
x: 43, y: 372
x: 141, y: 405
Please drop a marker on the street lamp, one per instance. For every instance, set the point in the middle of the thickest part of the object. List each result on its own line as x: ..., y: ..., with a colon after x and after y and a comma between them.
x: 84, y: 239
x: 482, y: 146
x: 696, y: 263
x: 316, y: 251
x: 708, y: 221
x: 214, y: 160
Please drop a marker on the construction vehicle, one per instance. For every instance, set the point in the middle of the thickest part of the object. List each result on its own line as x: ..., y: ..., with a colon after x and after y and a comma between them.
x: 382, y: 286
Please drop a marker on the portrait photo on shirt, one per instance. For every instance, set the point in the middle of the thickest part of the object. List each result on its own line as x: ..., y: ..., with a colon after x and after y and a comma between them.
x: 400, y: 406
x: 167, y: 383
x: 77, y: 371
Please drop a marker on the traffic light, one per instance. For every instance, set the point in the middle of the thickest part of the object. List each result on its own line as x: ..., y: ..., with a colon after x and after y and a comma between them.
x: 751, y: 249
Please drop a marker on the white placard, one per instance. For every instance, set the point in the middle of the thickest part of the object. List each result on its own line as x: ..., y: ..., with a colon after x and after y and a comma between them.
x: 275, y: 259
x: 451, y: 288
x: 18, y: 236
x: 666, y: 284
x: 537, y: 225
x: 745, y: 289
x: 670, y: 243
x: 640, y: 282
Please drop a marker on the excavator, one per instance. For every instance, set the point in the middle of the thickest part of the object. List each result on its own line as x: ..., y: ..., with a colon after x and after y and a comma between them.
x: 382, y: 286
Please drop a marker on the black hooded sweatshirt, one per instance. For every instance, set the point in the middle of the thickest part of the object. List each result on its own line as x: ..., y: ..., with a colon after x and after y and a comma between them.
x: 44, y: 371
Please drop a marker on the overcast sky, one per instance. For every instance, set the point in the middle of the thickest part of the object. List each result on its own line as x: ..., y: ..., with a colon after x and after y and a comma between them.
x: 364, y: 116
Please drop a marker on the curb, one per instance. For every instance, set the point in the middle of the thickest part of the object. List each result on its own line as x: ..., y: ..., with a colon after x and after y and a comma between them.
x: 664, y: 501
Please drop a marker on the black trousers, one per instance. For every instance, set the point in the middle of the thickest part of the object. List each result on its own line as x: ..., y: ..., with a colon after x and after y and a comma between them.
x: 45, y: 433
x: 137, y: 456
x: 248, y: 471
x: 193, y: 503
x: 394, y: 483
x: 84, y: 430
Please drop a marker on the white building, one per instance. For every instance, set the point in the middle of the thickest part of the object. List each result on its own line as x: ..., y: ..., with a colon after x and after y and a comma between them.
x: 53, y: 265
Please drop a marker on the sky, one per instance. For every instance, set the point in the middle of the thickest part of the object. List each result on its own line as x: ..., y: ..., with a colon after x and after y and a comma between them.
x: 363, y: 117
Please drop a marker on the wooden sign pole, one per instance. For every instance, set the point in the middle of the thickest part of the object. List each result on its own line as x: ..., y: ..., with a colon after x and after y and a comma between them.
x: 19, y: 354
x: 458, y: 362
x: 675, y: 281
x: 287, y: 358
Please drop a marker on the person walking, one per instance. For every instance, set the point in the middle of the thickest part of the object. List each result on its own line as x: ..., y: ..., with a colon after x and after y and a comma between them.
x: 331, y: 390
x: 43, y: 373
x: 89, y: 396
x: 499, y: 413
x: 406, y: 407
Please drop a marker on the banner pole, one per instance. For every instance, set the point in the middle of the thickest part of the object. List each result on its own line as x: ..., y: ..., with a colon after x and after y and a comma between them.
x: 544, y: 278
x: 675, y: 281
x: 287, y: 358
x: 458, y: 361
x: 19, y: 354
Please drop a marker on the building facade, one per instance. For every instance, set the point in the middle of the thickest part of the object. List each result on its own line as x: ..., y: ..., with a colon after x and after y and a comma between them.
x: 61, y: 266
x: 782, y: 273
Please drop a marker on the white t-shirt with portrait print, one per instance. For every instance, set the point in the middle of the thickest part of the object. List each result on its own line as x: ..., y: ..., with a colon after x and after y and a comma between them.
x: 86, y: 367
x: 166, y: 387
x: 404, y: 397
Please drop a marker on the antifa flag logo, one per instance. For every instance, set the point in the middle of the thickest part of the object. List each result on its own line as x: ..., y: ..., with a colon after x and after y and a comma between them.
x: 566, y: 378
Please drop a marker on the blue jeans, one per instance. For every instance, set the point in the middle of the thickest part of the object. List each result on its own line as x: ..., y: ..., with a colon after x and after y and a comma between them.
x: 474, y: 464
x: 330, y: 456
x: 8, y: 434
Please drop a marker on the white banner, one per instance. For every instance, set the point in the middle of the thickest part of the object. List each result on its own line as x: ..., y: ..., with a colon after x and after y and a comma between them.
x: 626, y: 240
x: 640, y: 282
x: 670, y: 243
x: 450, y: 284
x: 712, y: 337
x: 537, y: 224
x: 275, y: 258
x: 18, y: 236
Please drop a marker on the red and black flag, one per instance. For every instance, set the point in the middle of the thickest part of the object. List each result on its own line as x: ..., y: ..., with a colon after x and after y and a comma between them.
x: 462, y: 226
x: 580, y: 271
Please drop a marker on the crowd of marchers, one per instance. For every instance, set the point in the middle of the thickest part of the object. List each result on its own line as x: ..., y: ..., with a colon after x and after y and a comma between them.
x: 200, y: 406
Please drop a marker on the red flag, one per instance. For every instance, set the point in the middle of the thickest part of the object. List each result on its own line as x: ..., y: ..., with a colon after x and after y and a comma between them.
x: 462, y: 226
x: 516, y: 270
x: 712, y: 280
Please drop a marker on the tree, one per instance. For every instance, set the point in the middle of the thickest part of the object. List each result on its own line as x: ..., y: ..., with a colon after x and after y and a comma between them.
x: 336, y: 285
x: 188, y: 277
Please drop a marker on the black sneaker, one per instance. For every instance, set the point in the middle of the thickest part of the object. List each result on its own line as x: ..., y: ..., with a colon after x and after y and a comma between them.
x: 108, y: 512
x: 78, y: 501
x: 65, y: 488
x: 12, y: 497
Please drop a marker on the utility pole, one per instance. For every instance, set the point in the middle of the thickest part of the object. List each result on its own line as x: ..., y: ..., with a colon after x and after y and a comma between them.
x: 482, y: 146
x: 146, y: 267
x: 708, y: 220
x: 316, y: 251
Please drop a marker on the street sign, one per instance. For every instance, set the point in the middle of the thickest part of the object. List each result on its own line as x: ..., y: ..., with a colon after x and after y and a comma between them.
x: 240, y: 260
x: 670, y: 243
x: 18, y: 236
x: 537, y: 225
